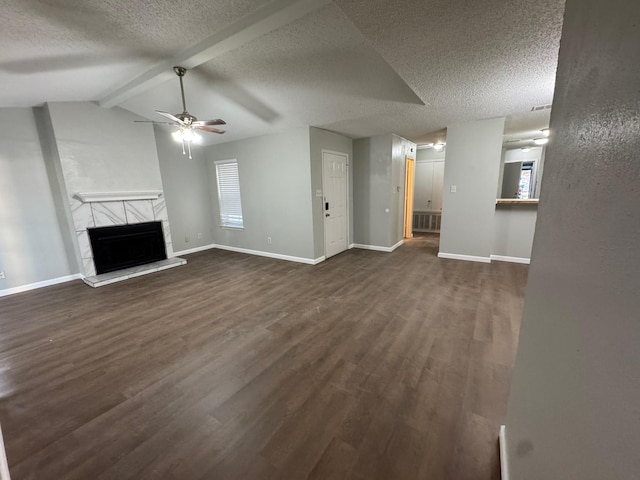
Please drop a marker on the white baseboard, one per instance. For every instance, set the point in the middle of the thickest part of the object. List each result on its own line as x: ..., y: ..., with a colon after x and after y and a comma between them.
x: 502, y: 258
x: 397, y: 245
x: 504, y: 465
x: 44, y: 283
x: 376, y: 247
x: 194, y: 250
x: 4, y: 465
x: 308, y: 261
x: 351, y: 245
x: 466, y: 258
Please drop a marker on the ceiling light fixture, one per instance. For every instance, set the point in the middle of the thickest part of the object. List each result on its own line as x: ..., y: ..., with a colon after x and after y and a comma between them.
x: 545, y: 131
x: 525, y: 149
x: 541, y: 141
x: 186, y: 135
x: 438, y: 147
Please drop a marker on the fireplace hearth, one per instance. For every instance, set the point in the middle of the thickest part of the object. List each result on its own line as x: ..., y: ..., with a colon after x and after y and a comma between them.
x: 122, y: 246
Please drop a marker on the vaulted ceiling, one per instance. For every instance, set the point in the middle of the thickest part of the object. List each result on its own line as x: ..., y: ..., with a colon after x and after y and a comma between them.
x: 359, y: 68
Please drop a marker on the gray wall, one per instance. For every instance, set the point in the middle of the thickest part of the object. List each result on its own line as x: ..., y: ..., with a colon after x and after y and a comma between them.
x: 514, y: 226
x: 187, y: 192
x: 372, y: 191
x: 473, y: 155
x: 31, y: 244
x: 324, y: 140
x: 574, y: 406
x: 275, y: 189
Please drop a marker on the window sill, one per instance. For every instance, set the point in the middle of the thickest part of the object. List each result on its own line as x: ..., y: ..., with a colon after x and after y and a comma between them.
x: 231, y: 227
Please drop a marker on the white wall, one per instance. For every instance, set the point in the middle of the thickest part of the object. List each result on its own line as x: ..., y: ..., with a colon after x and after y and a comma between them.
x: 102, y: 150
x: 574, y: 407
x: 324, y: 140
x: 187, y: 192
x: 275, y: 188
x: 472, y: 164
x: 31, y: 243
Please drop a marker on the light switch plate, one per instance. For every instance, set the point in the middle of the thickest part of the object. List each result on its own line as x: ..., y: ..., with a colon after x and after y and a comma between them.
x: 454, y: 188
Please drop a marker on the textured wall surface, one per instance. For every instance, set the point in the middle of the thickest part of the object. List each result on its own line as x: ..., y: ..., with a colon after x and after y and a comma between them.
x: 574, y: 405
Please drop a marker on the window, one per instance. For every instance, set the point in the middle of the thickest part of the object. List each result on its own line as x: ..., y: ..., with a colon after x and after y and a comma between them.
x: 229, y: 194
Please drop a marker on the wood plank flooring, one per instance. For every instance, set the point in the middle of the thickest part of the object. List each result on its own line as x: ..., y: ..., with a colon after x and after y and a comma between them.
x: 368, y: 366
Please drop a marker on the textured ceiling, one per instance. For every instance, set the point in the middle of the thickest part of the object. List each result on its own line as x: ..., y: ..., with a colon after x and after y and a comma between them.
x: 410, y: 67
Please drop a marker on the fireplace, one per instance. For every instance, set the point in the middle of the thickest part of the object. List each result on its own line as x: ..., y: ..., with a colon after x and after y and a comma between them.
x: 123, y: 246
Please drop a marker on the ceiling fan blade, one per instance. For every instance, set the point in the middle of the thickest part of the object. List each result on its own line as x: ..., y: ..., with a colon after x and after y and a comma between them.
x: 201, y: 123
x: 153, y: 121
x: 171, y: 117
x: 209, y: 129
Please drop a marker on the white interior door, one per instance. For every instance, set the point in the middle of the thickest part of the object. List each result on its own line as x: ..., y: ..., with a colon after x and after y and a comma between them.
x: 334, y: 206
x: 438, y: 183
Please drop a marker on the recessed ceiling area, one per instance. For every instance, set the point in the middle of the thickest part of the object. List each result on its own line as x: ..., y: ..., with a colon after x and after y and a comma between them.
x: 357, y: 68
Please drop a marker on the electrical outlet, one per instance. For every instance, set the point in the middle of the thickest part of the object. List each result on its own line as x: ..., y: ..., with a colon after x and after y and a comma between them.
x: 187, y: 239
x: 199, y: 235
x: 269, y: 240
x: 2, y: 275
x: 454, y: 188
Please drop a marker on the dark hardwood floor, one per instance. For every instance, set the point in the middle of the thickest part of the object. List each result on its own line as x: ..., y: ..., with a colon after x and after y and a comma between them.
x: 368, y: 366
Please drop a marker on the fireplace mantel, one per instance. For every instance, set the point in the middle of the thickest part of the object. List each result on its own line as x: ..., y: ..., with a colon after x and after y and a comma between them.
x: 89, y: 197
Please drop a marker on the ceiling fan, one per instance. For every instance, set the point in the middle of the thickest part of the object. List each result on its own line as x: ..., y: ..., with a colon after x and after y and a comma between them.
x: 187, y: 124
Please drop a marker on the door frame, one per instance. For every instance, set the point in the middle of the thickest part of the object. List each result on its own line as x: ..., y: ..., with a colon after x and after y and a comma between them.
x: 347, y: 203
x: 409, y: 183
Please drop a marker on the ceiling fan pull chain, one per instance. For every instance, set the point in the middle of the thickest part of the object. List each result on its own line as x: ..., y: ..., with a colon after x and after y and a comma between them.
x: 183, y: 152
x: 189, y: 148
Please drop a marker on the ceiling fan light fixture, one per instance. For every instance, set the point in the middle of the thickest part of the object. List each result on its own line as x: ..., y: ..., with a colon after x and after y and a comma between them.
x: 186, y: 135
x: 541, y: 141
x: 545, y: 131
x: 438, y: 147
x: 525, y: 149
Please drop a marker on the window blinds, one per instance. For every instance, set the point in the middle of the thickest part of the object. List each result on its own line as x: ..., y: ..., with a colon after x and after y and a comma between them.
x: 229, y: 194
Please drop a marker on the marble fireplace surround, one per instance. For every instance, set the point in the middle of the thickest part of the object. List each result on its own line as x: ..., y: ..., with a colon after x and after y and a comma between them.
x: 106, y: 209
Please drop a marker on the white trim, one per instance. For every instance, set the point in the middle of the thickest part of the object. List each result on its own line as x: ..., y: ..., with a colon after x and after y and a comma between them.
x: 504, y: 464
x: 279, y: 256
x: 4, y: 465
x: 230, y: 160
x: 194, y: 250
x: 376, y: 247
x: 467, y: 258
x: 44, y: 283
x: 502, y: 258
x: 87, y: 197
x: 351, y: 245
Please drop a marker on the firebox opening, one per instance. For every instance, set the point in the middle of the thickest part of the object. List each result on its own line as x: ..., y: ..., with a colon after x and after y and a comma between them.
x: 123, y: 246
